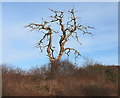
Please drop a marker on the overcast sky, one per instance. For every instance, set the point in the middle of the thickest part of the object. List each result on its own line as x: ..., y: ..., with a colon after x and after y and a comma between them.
x: 18, y: 43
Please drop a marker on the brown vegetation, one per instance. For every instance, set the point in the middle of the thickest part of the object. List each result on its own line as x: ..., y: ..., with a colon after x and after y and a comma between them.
x: 69, y: 80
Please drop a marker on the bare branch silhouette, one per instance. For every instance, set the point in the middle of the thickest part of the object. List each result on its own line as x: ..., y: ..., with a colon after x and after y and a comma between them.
x: 71, y: 28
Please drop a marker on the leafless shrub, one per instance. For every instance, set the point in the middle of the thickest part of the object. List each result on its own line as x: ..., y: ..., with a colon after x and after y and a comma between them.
x: 90, y: 62
x: 69, y: 80
x: 96, y: 90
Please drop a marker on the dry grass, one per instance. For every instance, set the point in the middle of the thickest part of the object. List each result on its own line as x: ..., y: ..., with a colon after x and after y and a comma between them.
x: 92, y: 80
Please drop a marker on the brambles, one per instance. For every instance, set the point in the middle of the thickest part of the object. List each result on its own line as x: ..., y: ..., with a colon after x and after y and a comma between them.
x: 96, y: 90
x: 69, y: 80
x: 105, y: 71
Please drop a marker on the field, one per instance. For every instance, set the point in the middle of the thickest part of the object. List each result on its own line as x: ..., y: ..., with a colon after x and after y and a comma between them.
x: 69, y: 80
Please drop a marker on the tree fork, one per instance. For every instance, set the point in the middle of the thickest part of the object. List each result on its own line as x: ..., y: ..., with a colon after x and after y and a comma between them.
x: 72, y: 26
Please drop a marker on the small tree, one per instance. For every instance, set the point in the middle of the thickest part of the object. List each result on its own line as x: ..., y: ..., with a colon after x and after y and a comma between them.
x: 71, y: 28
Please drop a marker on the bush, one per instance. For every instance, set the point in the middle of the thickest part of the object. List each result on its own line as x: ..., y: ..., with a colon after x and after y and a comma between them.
x: 69, y: 80
x: 111, y: 74
x: 105, y: 71
x: 66, y: 68
x: 96, y: 90
x: 60, y: 69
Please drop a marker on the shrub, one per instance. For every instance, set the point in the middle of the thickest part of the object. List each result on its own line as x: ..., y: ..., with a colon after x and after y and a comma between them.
x: 66, y: 68
x: 105, y: 71
x: 96, y: 90
x: 111, y: 74
x: 69, y: 80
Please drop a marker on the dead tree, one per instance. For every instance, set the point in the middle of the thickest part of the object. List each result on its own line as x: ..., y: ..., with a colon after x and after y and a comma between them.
x: 71, y: 28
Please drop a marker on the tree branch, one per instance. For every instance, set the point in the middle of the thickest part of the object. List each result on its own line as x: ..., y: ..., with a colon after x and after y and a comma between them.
x: 67, y: 30
x: 75, y: 52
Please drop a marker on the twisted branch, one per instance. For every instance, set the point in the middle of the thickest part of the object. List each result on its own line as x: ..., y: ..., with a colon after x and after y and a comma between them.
x: 72, y: 27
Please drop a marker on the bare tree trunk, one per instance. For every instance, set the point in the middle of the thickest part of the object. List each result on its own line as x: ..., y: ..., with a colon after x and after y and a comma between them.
x: 67, y: 31
x: 54, y: 69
